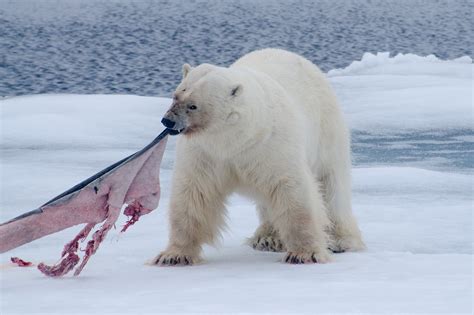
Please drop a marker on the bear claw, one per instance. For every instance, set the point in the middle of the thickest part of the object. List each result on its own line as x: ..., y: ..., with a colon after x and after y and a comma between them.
x: 299, y: 259
x: 173, y: 260
x: 336, y: 250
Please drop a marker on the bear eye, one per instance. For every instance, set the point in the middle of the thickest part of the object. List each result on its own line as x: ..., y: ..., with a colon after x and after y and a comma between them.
x: 192, y: 107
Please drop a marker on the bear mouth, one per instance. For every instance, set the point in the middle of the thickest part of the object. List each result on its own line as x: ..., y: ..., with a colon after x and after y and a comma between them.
x: 174, y: 132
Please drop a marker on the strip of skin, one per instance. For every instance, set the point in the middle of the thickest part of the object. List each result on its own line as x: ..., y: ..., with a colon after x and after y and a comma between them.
x: 133, y: 181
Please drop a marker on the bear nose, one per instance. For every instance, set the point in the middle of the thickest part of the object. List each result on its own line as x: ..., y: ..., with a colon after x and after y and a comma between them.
x: 168, y: 123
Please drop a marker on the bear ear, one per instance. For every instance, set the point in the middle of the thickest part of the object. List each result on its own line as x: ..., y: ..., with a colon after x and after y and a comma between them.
x: 236, y: 90
x: 186, y: 69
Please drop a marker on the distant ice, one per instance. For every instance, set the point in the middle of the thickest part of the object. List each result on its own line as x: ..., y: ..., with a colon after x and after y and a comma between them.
x: 406, y: 92
x: 405, y: 64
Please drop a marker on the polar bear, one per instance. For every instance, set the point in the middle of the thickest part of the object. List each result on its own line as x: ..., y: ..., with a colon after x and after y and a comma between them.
x: 268, y: 126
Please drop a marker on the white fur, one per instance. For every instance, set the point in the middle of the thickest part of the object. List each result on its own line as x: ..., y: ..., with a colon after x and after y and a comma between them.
x: 281, y: 139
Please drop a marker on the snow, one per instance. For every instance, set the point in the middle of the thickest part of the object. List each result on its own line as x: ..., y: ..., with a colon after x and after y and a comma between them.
x: 416, y: 221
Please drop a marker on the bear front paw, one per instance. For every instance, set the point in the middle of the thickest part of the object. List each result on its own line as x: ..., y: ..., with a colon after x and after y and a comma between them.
x: 306, y: 258
x: 174, y: 259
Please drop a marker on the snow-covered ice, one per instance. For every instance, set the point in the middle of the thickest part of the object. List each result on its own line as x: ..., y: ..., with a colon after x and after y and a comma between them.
x: 427, y: 92
x: 416, y: 218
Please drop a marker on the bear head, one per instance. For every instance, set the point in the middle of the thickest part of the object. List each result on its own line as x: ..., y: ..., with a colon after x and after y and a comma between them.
x: 207, y: 100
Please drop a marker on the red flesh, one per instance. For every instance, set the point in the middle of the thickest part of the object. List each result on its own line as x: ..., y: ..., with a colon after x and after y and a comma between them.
x: 134, y: 211
x: 21, y: 262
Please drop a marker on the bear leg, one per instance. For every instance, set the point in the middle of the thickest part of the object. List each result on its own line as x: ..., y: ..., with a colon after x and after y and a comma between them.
x: 196, y: 216
x: 344, y: 232
x: 300, y: 218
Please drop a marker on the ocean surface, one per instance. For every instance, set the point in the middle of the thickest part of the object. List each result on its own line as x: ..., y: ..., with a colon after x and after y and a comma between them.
x: 445, y: 150
x: 138, y: 47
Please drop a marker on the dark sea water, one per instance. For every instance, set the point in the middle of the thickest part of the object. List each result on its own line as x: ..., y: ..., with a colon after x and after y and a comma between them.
x: 138, y: 47
x: 446, y: 150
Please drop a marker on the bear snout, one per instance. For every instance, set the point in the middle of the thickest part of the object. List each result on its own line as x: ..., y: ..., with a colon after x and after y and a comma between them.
x: 168, y: 123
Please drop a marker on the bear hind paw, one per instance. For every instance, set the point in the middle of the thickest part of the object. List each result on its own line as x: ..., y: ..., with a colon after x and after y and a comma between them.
x: 346, y: 244
x: 267, y: 244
